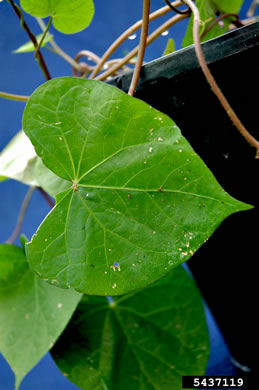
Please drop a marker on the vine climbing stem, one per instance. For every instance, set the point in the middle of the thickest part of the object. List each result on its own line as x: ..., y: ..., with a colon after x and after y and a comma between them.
x: 23, y: 211
x: 237, y: 21
x: 21, y: 216
x: 131, y: 30
x: 25, y: 26
x: 212, y: 82
x: 142, y: 47
x: 154, y: 35
x: 12, y: 96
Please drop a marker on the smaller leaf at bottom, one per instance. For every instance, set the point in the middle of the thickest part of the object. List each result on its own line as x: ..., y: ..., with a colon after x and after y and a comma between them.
x: 33, y: 313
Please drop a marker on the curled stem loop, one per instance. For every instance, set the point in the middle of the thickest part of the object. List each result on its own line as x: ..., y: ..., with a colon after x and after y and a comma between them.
x: 154, y: 35
x: 85, y: 68
x: 131, y: 30
x: 178, y: 11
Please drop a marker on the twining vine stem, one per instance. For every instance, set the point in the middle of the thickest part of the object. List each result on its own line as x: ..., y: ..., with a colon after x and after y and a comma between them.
x: 178, y: 11
x: 142, y: 47
x: 24, y: 25
x: 86, y: 68
x: 23, y: 209
x: 252, y: 8
x: 237, y: 22
x: 12, y: 96
x: 21, y: 216
x: 211, y: 80
x: 155, y: 34
x: 131, y: 30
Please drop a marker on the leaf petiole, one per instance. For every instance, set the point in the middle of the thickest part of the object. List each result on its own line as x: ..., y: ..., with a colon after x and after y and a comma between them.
x: 43, y: 37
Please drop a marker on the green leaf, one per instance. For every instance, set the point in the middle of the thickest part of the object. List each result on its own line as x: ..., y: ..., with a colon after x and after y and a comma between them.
x: 147, y: 340
x: 47, y: 180
x: 17, y: 160
x: 170, y: 47
x: 139, y: 195
x: 208, y: 13
x: 28, y: 46
x: 32, y: 312
x: 228, y: 6
x: 68, y: 16
x: 23, y: 239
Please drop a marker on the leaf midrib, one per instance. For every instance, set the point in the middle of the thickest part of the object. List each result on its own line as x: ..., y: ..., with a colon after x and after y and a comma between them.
x: 156, y: 190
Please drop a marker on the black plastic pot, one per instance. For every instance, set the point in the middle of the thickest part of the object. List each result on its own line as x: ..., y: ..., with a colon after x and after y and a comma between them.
x: 224, y: 267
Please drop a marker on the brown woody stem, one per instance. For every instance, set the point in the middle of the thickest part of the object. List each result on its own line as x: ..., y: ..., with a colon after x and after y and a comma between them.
x: 155, y: 34
x: 160, y: 12
x: 222, y: 99
x: 142, y: 47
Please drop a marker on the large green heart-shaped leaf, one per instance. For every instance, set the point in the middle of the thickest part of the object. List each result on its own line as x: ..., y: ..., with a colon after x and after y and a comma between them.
x: 209, y: 10
x: 147, y: 340
x: 32, y: 312
x: 141, y: 201
x: 68, y: 16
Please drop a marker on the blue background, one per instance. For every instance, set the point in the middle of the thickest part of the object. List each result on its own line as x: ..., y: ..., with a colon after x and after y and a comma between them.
x: 20, y: 74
